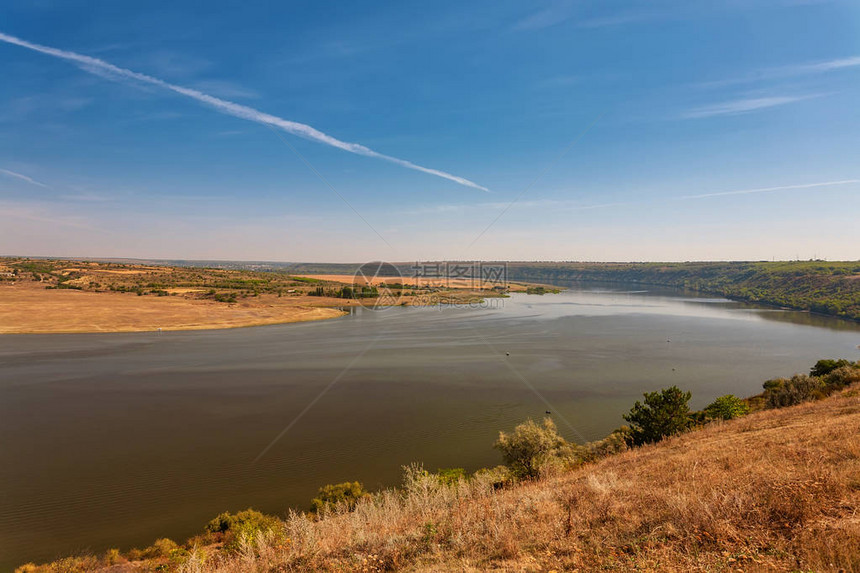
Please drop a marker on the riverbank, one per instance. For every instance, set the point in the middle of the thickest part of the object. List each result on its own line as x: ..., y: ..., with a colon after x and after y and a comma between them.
x: 830, y: 288
x: 46, y: 297
x: 776, y: 489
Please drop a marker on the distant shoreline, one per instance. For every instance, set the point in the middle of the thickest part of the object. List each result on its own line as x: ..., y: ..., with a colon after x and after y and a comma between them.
x: 80, y: 297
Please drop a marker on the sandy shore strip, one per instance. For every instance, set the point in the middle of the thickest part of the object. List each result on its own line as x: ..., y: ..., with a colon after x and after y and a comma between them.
x: 28, y: 310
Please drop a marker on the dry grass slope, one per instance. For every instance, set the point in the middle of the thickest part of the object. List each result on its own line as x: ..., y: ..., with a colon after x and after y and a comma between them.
x: 778, y: 490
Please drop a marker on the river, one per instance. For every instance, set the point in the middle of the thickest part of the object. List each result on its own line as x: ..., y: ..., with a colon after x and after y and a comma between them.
x: 114, y: 440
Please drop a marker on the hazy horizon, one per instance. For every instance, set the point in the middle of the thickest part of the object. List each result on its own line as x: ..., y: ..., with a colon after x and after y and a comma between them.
x: 407, y: 261
x: 563, y: 131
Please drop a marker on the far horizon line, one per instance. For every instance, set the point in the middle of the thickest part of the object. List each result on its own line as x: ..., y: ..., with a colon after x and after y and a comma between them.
x: 308, y: 262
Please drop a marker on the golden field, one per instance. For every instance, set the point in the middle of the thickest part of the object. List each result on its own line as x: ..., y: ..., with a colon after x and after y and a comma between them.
x: 31, y: 309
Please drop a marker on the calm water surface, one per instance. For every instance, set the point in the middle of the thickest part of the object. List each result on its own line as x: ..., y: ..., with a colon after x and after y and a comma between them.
x: 113, y: 440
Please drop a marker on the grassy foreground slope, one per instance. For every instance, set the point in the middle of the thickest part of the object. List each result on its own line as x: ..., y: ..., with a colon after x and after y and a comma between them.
x: 776, y: 490
x: 825, y: 287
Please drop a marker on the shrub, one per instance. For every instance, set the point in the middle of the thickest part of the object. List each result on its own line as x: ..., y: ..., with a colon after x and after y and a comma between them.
x: 113, y: 557
x: 330, y: 496
x: 163, y: 547
x: 497, y: 477
x: 726, y: 408
x: 842, y: 377
x: 826, y: 366
x: 614, y: 443
x: 774, y: 383
x: 450, y: 476
x: 799, y: 388
x: 529, y: 447
x: 134, y: 554
x: 236, y: 529
x: 227, y: 521
x: 664, y: 413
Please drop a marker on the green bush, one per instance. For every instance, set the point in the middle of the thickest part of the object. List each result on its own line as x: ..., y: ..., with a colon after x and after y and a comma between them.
x: 330, y: 496
x: 163, y: 547
x: 529, y: 447
x: 773, y: 383
x: 227, y: 521
x: 826, y: 366
x: 841, y: 377
x: 233, y: 528
x: 614, y: 443
x: 664, y: 413
x: 781, y: 392
x: 726, y: 408
x: 450, y: 476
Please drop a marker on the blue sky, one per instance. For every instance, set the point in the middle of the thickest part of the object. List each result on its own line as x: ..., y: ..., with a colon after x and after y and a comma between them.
x: 564, y: 130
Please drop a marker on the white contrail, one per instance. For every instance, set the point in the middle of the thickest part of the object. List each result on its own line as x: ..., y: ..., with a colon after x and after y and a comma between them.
x: 769, y: 189
x: 105, y: 69
x: 23, y: 178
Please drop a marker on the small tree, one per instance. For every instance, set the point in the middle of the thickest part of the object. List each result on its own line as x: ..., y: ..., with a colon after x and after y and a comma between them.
x: 726, y: 408
x: 826, y: 366
x: 330, y: 496
x: 664, y: 413
x: 529, y: 447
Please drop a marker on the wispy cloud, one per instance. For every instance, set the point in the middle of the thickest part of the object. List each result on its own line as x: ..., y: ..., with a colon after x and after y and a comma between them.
x: 555, y: 13
x: 825, y: 66
x: 567, y: 205
x: 87, y: 196
x: 23, y: 109
x: 615, y: 20
x: 110, y: 71
x: 744, y: 105
x: 551, y: 204
x: 789, y: 71
x: 22, y: 177
x: 41, y: 213
x: 561, y: 11
x: 772, y: 189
